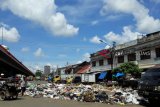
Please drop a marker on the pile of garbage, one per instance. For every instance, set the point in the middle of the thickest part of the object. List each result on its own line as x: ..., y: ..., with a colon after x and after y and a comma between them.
x: 85, y: 93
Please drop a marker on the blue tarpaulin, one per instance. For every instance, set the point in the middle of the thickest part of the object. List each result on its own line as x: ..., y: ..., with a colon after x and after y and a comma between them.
x: 49, y: 78
x: 119, y: 74
x: 102, y: 75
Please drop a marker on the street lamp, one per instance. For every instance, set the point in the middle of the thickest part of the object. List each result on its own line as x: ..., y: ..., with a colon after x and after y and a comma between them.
x: 112, y: 51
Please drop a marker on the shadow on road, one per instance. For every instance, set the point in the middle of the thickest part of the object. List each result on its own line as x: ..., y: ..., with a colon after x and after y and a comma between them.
x: 14, y: 99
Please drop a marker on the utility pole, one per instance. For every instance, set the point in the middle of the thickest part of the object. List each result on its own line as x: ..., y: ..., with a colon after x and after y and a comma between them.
x: 112, y: 52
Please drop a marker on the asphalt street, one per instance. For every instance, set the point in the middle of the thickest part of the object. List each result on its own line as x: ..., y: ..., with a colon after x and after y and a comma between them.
x: 47, y: 102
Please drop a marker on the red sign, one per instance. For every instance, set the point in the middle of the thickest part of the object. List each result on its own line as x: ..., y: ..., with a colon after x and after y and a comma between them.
x: 105, y: 53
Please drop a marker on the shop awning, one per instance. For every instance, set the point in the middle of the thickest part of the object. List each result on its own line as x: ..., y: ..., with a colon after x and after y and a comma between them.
x: 102, y: 75
x: 119, y: 74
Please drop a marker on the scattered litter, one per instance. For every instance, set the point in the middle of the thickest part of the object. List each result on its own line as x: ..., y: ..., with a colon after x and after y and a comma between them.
x: 85, y: 93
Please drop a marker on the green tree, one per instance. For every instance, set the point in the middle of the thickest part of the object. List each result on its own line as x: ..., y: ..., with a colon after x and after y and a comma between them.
x: 38, y: 73
x: 115, y: 70
x: 130, y: 67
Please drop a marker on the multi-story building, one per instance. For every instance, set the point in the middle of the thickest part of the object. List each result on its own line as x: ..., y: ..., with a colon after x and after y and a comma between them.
x: 144, y: 51
x: 47, y: 70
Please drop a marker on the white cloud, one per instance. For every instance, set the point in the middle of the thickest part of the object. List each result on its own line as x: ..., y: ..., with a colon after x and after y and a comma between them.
x: 39, y: 53
x: 25, y: 49
x: 86, y: 57
x: 43, y: 12
x: 95, y: 39
x: 144, y: 22
x: 9, y: 34
x: 4, y: 25
x: 53, y: 66
x: 126, y: 36
x: 94, y: 22
x: 34, y: 67
x: 86, y: 8
x: 49, y: 64
x: 37, y: 67
x: 107, y: 46
x: 78, y: 62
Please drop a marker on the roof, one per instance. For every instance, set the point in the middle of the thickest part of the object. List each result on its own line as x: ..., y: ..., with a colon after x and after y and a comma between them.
x: 17, y: 64
x: 84, y: 69
x: 152, y: 33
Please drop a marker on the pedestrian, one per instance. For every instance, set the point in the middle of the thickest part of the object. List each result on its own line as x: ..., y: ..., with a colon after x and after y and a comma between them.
x: 23, y: 85
x: 2, y: 81
x: 2, y: 75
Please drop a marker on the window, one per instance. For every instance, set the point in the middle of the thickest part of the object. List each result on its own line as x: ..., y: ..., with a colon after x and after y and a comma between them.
x: 93, y: 63
x: 120, y: 59
x: 145, y: 54
x: 157, y: 52
x: 101, y: 62
x: 109, y: 61
x: 132, y: 57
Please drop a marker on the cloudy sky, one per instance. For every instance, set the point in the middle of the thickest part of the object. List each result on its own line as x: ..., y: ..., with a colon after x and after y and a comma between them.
x: 54, y: 32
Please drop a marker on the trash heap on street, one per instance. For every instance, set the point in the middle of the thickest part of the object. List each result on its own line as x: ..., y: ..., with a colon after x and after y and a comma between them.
x: 85, y: 93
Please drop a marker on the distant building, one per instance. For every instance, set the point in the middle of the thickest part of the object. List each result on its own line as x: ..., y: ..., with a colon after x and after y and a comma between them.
x: 47, y: 70
x: 73, y: 70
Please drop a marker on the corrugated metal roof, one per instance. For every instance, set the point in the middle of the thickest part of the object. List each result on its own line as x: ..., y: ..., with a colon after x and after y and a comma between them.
x: 84, y: 69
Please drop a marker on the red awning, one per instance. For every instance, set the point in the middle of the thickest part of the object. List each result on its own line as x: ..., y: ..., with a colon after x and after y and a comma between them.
x: 84, y: 69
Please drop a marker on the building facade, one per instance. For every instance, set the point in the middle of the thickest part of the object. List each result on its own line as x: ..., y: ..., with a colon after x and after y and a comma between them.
x: 68, y: 71
x: 144, y: 51
x: 73, y: 70
x: 47, y: 70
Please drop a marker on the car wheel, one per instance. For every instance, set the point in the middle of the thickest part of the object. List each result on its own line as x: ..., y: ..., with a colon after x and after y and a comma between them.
x: 2, y: 95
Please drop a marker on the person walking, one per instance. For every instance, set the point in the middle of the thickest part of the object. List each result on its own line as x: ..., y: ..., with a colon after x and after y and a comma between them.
x: 23, y: 85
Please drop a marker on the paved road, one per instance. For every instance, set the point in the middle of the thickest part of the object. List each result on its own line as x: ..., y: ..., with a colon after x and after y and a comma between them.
x: 47, y: 102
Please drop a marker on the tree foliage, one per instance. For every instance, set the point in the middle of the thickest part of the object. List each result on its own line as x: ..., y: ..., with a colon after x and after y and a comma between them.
x: 115, y: 70
x: 38, y: 73
x: 130, y: 67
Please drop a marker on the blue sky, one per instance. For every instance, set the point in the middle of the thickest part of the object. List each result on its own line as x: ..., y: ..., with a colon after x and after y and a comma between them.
x: 54, y: 32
